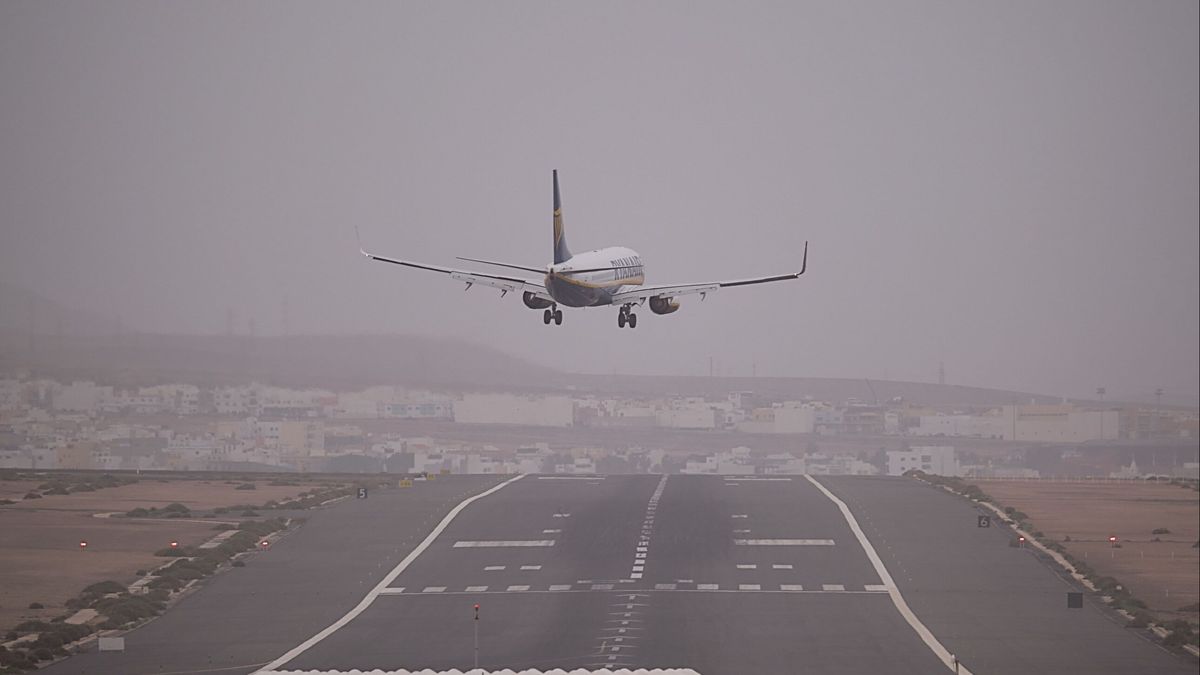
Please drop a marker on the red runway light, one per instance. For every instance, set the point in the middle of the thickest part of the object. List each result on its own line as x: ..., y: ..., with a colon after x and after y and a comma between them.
x: 83, y: 544
x: 174, y: 544
x: 265, y: 544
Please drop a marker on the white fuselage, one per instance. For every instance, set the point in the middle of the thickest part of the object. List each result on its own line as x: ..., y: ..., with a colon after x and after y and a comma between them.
x: 588, y: 289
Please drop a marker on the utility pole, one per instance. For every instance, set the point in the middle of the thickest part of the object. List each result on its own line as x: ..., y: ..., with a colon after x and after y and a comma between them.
x: 1101, y: 391
x: 1157, y: 405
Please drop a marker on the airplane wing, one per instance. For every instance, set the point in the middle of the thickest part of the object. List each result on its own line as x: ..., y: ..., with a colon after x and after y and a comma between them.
x: 644, y: 293
x: 505, y: 284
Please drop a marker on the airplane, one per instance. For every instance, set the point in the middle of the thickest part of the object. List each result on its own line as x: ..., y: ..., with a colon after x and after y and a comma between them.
x: 602, y: 277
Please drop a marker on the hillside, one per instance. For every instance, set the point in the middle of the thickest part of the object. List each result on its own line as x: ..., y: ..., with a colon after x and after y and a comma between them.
x: 345, y: 362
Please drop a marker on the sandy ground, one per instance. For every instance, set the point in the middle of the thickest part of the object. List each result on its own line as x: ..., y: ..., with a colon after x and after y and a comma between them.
x: 150, y: 491
x: 40, y: 557
x: 1163, y: 573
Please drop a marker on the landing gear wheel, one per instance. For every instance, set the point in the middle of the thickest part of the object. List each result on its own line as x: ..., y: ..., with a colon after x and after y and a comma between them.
x: 621, y: 319
x: 558, y: 317
x: 547, y: 316
x: 632, y: 320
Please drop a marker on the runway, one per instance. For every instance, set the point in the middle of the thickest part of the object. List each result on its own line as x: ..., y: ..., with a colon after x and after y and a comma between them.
x: 721, y: 575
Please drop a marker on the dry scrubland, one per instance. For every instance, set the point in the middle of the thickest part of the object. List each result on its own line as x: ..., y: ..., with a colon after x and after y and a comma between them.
x: 1161, y: 573
x: 40, y: 557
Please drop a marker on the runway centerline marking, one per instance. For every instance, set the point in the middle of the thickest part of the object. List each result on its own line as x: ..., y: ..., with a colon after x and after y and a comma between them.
x: 924, y: 633
x: 387, y: 580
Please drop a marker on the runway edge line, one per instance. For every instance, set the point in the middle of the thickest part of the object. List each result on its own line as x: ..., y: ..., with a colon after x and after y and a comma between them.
x: 927, y: 636
x: 387, y: 580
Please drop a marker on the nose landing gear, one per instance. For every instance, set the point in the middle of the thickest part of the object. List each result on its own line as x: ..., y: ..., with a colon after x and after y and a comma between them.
x: 626, y: 317
x: 554, y: 315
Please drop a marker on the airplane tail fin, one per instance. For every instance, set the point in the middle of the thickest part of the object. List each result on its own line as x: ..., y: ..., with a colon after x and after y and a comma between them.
x: 561, y: 252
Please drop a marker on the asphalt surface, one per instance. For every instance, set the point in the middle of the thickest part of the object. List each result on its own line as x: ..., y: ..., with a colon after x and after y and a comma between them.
x: 1001, y: 609
x: 641, y: 571
x: 248, y: 616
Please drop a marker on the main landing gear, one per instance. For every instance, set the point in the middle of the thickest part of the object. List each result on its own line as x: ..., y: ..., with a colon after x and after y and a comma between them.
x: 626, y: 317
x: 554, y: 315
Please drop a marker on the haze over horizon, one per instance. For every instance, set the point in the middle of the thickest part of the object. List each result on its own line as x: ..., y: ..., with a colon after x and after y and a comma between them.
x: 1008, y: 189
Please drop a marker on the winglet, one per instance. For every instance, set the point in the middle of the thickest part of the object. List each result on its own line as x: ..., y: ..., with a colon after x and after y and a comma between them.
x: 804, y: 263
x: 358, y: 238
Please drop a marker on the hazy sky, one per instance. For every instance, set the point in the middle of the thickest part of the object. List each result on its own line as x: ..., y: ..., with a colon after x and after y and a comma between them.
x: 1008, y: 186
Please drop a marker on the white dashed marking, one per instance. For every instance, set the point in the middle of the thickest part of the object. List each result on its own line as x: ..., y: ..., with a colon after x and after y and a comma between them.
x: 517, y: 588
x: 749, y: 587
x: 781, y: 567
x: 747, y: 567
x: 783, y: 542
x: 476, y: 589
x: 531, y: 567
x: 832, y: 587
x: 528, y: 543
x: 434, y: 589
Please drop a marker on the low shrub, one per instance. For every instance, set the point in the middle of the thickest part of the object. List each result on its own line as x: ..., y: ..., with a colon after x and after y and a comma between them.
x: 33, y: 626
x: 1178, y: 638
x: 32, y: 495
x: 104, y: 588
x: 238, y: 563
x: 1194, y: 607
x: 1160, y: 530
x: 176, y: 507
x: 36, y: 605
x: 1140, y: 620
x: 222, y: 527
x: 246, y: 486
x: 139, y: 512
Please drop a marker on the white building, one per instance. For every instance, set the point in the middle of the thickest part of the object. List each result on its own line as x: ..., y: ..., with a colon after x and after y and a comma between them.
x: 80, y: 397
x: 1059, y: 424
x: 940, y: 460
x: 691, y: 417
x: 975, y: 426
x: 538, y: 411
x: 795, y: 418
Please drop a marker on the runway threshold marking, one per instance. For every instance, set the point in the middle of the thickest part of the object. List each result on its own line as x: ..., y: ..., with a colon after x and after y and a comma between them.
x: 927, y: 636
x: 387, y: 580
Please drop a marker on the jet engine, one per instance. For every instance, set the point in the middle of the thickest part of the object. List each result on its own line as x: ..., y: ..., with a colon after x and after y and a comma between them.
x: 661, y: 305
x: 532, y: 301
